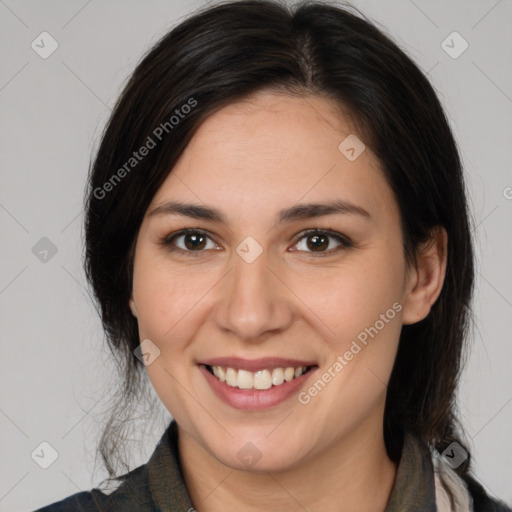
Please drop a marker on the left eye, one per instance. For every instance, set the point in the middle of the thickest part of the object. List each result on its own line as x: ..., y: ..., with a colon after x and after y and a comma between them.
x: 318, y: 241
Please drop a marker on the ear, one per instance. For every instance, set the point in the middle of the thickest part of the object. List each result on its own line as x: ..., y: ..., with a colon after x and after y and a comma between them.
x: 425, y: 280
x: 133, y: 307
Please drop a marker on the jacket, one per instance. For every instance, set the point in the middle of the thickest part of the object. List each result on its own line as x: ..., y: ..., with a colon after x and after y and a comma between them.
x: 158, y: 486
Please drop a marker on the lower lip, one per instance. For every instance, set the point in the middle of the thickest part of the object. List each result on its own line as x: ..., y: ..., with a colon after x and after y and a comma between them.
x: 254, y: 399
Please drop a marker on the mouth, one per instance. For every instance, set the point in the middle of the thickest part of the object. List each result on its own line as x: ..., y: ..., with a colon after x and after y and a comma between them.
x: 256, y: 384
x: 261, y: 379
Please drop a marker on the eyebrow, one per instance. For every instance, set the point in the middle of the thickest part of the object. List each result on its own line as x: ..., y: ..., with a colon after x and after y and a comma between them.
x: 296, y: 212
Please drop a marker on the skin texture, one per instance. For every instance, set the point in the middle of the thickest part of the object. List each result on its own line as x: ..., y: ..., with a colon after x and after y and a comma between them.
x: 250, y: 160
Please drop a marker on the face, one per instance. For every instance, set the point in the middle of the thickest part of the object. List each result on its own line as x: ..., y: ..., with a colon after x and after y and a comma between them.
x: 272, y: 284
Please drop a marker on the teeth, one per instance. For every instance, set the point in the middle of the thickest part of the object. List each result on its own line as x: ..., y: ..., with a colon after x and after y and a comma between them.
x: 231, y: 377
x: 262, y: 379
x: 244, y: 380
x: 277, y: 376
x: 219, y: 373
x: 289, y: 373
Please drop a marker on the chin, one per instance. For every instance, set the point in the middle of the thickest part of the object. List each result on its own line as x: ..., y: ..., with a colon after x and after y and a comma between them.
x: 252, y: 450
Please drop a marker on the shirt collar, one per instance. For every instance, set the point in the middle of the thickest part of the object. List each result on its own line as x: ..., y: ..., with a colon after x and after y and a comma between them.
x: 413, y: 491
x: 165, y: 477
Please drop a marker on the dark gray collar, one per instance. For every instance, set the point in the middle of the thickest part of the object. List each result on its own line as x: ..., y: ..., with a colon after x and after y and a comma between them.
x: 414, y: 489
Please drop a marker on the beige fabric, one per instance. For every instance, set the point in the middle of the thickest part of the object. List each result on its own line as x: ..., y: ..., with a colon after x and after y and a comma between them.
x: 452, y: 494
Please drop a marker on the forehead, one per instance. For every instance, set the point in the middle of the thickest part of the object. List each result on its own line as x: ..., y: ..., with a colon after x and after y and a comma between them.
x: 273, y: 150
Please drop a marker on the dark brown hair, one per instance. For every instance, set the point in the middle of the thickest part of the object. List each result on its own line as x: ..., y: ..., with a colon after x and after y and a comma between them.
x: 225, y: 53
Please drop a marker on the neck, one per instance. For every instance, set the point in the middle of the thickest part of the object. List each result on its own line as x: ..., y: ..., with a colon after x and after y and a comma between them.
x: 355, y: 473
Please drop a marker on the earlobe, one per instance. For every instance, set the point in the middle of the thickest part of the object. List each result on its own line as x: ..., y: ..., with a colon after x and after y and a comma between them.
x: 133, y: 307
x: 426, y: 281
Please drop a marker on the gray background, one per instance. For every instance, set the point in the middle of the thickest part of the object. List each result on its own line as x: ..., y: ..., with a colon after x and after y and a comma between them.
x: 55, y: 371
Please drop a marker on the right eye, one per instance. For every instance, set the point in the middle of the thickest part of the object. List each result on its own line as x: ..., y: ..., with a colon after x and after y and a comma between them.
x: 188, y: 241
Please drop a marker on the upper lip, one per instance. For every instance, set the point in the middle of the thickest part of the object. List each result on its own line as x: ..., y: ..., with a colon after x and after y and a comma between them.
x: 253, y: 365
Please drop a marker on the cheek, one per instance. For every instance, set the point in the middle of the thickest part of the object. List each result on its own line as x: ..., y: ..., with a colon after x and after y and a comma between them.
x: 365, y: 317
x: 353, y: 297
x: 168, y: 305
x: 163, y: 295
x: 361, y: 304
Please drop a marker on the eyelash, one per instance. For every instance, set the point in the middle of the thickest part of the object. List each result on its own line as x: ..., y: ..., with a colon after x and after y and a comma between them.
x: 342, y: 239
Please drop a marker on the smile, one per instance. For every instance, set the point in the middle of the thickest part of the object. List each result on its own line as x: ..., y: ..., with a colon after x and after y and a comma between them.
x: 261, y: 379
x: 256, y: 384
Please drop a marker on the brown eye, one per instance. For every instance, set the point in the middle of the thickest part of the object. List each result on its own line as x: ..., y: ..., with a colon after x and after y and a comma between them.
x: 189, y: 241
x: 194, y: 241
x: 319, y: 241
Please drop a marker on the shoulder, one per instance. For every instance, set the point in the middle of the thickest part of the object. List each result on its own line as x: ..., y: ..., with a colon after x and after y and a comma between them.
x: 82, y: 501
x: 133, y: 493
x: 157, y: 485
x: 482, y: 502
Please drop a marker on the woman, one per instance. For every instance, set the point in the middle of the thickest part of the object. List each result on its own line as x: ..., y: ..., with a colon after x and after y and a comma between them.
x: 277, y: 233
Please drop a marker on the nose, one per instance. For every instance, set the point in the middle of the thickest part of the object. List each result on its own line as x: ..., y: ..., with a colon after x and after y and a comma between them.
x: 254, y: 301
